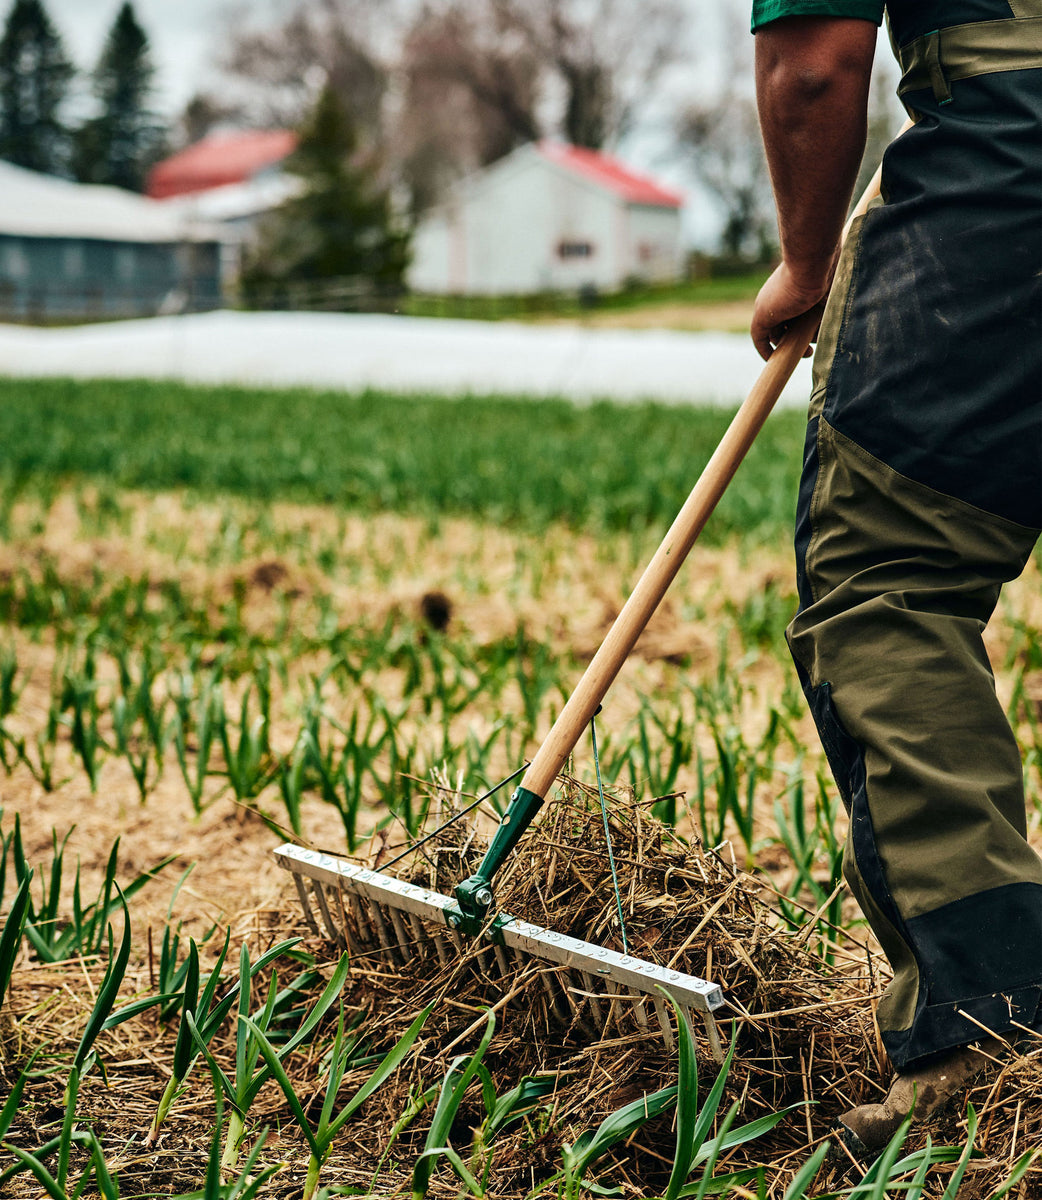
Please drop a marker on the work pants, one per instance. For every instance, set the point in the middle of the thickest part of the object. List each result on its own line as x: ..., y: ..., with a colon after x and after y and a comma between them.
x: 921, y: 495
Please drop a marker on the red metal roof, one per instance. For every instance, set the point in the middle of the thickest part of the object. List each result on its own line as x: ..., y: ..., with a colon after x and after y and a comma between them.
x: 611, y: 174
x: 218, y: 160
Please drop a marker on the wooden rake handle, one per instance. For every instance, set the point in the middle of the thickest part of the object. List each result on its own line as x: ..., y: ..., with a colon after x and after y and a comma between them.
x: 661, y: 571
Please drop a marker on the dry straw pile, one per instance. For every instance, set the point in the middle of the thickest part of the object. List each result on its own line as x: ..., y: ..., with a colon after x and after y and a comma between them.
x: 802, y: 1025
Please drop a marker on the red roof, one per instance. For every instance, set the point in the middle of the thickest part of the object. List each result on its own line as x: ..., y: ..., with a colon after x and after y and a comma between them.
x: 609, y: 173
x: 219, y: 160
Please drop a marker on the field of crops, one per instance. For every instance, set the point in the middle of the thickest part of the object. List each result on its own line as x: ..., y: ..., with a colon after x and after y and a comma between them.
x: 235, y: 618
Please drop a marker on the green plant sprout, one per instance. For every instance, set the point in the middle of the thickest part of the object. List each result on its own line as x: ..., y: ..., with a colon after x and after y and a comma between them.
x: 249, y: 1078
x: 320, y: 1137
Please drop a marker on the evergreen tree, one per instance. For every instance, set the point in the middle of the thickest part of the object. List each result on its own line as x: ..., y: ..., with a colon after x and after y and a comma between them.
x: 34, y: 81
x: 120, y: 144
x: 341, y: 223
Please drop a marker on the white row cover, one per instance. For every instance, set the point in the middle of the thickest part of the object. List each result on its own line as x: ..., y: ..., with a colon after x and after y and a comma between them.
x: 404, y: 354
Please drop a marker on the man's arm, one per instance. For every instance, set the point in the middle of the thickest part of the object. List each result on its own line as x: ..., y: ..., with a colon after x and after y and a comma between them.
x: 812, y: 77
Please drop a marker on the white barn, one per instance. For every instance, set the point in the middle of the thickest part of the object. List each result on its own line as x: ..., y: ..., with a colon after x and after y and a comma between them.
x: 549, y: 217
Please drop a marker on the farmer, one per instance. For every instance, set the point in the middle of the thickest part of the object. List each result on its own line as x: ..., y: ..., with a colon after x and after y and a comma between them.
x: 921, y: 494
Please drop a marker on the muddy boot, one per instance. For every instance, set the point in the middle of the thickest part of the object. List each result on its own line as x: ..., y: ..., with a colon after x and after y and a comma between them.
x: 927, y: 1088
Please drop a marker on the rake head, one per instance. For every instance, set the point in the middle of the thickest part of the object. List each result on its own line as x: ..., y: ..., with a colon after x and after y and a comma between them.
x: 603, y: 991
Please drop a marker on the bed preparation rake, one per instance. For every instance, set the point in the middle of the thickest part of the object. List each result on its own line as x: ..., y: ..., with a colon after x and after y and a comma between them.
x: 364, y: 910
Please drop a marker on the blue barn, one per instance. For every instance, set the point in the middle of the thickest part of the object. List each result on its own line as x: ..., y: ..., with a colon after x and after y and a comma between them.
x: 71, y: 252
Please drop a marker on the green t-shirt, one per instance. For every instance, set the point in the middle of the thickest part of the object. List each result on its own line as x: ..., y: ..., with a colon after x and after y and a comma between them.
x: 765, y: 11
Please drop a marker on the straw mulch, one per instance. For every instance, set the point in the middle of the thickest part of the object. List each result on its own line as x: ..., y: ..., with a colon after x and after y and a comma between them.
x: 803, y: 1029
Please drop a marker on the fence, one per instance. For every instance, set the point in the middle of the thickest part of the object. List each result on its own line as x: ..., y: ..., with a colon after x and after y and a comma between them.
x: 45, y: 303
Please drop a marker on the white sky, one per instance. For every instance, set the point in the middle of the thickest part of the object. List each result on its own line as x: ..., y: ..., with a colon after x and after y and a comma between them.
x: 182, y: 33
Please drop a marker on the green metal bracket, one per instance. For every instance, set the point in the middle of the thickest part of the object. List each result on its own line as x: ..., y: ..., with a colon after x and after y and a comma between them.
x: 474, y: 895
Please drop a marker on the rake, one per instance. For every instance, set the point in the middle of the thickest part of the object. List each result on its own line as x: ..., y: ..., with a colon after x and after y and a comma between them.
x: 365, y: 910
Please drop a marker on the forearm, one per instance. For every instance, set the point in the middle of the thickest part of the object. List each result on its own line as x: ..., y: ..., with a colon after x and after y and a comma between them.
x: 812, y: 78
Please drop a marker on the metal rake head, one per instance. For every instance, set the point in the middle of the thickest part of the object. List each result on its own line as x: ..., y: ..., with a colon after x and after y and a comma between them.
x: 603, y: 991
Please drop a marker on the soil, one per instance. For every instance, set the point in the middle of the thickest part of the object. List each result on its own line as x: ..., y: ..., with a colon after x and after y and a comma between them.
x: 233, y: 882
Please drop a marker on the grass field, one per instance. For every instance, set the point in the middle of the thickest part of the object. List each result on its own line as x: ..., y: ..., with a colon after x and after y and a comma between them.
x: 723, y: 302
x: 231, y: 617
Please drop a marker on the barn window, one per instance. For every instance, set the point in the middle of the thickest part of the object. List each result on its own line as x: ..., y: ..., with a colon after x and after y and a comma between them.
x: 72, y: 259
x: 566, y: 249
x: 125, y: 263
x: 16, y: 261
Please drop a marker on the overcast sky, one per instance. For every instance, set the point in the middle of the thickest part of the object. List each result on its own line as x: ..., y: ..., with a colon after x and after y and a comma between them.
x: 183, y: 34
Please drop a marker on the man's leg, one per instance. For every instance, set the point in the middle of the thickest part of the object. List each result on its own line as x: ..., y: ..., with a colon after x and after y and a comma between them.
x: 897, y: 583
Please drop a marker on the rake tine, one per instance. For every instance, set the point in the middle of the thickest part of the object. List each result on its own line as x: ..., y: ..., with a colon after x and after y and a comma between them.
x: 350, y: 923
x: 305, y: 904
x: 551, y: 992
x: 380, y: 926
x: 665, y: 1025
x: 582, y: 1004
x: 501, y: 958
x: 639, y: 1014
x: 614, y: 1013
x: 565, y: 984
x: 515, y: 966
x: 327, y: 917
x: 713, y: 1034
x: 440, y: 948
x: 592, y: 999
x: 481, y: 961
x: 358, y: 923
x: 420, y: 935
x: 400, y: 933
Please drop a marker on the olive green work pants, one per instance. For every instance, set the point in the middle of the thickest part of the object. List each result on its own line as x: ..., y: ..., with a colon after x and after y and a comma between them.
x: 898, y: 580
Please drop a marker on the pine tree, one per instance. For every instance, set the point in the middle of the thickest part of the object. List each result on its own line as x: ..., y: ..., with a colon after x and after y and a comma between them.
x: 34, y: 81
x: 120, y: 144
x: 341, y: 223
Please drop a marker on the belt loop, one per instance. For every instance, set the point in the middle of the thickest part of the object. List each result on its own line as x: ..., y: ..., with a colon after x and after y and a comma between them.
x: 942, y: 93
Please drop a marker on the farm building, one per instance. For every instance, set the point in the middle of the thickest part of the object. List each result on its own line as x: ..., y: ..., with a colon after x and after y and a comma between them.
x: 221, y: 160
x: 549, y: 217
x: 231, y: 179
x: 72, y: 251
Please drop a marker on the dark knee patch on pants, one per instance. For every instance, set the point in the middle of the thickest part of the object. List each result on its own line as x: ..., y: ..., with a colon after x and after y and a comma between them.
x: 983, y: 943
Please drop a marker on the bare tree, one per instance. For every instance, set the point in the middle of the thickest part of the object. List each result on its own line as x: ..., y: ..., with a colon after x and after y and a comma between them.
x: 480, y: 77
x: 723, y: 142
x: 606, y: 55
x: 720, y: 134
x: 276, y: 71
x: 469, y: 95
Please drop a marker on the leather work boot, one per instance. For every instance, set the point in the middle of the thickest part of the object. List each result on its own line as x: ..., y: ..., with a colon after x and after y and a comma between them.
x: 927, y: 1088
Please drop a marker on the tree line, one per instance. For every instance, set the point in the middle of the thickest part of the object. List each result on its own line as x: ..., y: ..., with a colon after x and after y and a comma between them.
x: 118, y: 142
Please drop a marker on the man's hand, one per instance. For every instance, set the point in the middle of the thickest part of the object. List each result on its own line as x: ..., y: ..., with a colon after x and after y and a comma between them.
x: 781, y: 299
